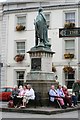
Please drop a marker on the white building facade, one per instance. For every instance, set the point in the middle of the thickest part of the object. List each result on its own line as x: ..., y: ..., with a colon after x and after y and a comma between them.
x: 15, y: 41
x: 0, y: 38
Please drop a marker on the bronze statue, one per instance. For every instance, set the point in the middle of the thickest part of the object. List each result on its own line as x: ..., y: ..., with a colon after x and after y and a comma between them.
x: 41, y: 31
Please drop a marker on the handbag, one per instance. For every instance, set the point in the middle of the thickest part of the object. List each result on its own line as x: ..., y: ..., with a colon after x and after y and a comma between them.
x: 10, y: 104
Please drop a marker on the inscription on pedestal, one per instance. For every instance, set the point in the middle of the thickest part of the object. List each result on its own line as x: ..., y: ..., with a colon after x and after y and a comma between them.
x: 36, y: 64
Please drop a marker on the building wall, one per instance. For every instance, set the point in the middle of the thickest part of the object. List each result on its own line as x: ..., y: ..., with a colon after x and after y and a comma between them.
x: 0, y: 39
x: 1, y: 69
x: 10, y: 36
x: 4, y: 49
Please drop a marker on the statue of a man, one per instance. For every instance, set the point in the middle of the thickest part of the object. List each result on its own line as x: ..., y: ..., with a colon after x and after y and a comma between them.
x: 41, y: 31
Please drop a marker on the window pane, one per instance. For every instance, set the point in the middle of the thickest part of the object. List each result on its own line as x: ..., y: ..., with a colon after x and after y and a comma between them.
x: 20, y: 51
x: 70, y: 17
x: 70, y: 78
x: 70, y: 51
x: 20, y: 75
x: 69, y: 84
x: 69, y: 46
x: 21, y: 47
x: 21, y: 20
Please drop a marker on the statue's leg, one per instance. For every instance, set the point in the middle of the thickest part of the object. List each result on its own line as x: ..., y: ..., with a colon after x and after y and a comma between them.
x: 36, y: 41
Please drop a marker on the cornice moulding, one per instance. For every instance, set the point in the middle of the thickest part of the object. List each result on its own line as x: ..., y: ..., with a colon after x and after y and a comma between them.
x: 45, y: 7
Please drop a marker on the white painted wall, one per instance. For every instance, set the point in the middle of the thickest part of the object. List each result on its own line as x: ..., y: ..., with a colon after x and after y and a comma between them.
x: 10, y: 36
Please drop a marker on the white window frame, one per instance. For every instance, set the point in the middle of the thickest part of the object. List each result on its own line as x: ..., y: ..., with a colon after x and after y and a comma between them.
x: 69, y: 19
x: 17, y: 80
x: 17, y: 74
x: 22, y: 15
x: 64, y: 47
x: 15, y: 46
x: 69, y: 11
x: 69, y: 48
x: 20, y: 49
x: 69, y: 80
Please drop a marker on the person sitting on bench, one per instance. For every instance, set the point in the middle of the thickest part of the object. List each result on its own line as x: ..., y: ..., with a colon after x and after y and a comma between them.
x: 21, y: 96
x: 29, y: 95
x: 68, y: 97
x: 14, y: 95
x: 54, y: 95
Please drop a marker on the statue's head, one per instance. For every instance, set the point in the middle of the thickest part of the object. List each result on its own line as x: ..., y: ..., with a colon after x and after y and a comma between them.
x: 40, y: 9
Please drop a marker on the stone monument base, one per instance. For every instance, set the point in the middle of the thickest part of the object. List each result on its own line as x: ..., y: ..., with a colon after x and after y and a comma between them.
x: 40, y: 75
x: 43, y: 87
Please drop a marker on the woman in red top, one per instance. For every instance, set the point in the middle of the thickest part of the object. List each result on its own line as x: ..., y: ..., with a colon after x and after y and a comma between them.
x: 67, y: 98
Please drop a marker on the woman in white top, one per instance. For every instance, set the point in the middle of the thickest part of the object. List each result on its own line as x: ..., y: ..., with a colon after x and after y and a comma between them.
x: 28, y: 94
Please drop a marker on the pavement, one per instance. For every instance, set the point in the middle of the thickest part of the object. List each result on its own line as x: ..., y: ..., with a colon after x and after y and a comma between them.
x: 38, y: 110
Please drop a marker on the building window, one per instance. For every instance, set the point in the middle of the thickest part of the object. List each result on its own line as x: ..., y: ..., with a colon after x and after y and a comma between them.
x: 47, y: 15
x: 21, y: 20
x: 69, y: 79
x: 20, y: 77
x: 70, y: 46
x: 20, y: 47
x: 70, y: 17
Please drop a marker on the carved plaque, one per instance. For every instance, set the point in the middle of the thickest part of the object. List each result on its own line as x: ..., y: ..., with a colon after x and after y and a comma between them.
x: 36, y: 64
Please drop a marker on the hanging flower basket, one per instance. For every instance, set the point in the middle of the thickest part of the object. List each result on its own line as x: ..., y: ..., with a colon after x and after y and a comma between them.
x: 53, y: 69
x: 68, y: 69
x: 69, y: 25
x: 19, y: 58
x: 20, y: 27
x: 68, y: 56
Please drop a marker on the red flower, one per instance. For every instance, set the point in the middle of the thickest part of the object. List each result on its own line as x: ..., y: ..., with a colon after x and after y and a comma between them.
x: 19, y: 58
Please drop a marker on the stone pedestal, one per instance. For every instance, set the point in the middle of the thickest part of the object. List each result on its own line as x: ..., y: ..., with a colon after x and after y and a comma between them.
x: 43, y: 87
x: 41, y: 76
x: 41, y: 59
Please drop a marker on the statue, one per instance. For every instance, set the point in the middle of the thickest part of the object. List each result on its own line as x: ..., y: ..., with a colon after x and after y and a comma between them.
x: 41, y: 31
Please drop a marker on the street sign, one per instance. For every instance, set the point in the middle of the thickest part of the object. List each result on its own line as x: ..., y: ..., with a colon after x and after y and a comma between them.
x: 69, y: 32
